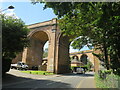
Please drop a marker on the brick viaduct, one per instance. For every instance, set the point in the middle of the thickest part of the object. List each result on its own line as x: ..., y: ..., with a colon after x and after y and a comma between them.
x: 58, y: 48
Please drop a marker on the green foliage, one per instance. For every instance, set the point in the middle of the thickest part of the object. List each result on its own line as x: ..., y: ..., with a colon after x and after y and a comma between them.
x: 103, y: 73
x: 111, y: 81
x: 59, y: 8
x: 107, y: 71
x: 14, y: 37
x: 99, y: 83
x: 99, y: 56
x: 45, y: 54
x: 89, y: 65
x: 38, y: 72
x: 97, y: 23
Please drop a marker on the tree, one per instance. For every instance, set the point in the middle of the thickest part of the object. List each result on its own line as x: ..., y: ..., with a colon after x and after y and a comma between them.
x: 45, y: 54
x: 97, y: 23
x: 14, y: 39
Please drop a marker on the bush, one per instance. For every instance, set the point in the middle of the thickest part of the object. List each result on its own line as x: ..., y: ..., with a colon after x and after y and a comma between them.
x: 102, y: 73
x: 6, y: 63
x: 106, y: 79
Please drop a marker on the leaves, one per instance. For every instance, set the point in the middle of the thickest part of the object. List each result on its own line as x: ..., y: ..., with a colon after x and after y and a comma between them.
x: 14, y: 36
x: 97, y: 22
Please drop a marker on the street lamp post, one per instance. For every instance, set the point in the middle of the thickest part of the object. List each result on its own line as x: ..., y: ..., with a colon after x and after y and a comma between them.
x: 10, y: 7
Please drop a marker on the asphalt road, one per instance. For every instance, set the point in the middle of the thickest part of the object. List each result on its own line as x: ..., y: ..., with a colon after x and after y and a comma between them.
x: 17, y: 80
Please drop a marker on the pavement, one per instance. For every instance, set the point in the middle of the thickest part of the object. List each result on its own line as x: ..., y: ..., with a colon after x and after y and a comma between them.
x: 17, y: 79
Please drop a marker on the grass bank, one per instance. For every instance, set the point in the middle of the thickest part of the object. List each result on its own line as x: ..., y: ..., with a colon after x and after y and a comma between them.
x: 108, y: 81
x: 38, y: 72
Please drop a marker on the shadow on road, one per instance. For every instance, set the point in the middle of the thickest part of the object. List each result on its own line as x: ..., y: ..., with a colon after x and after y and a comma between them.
x: 82, y: 75
x: 11, y: 82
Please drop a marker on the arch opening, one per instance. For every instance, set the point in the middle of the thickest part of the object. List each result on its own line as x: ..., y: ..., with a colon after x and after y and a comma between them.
x: 45, y: 57
x: 84, y: 59
x: 66, y: 59
x: 36, y: 59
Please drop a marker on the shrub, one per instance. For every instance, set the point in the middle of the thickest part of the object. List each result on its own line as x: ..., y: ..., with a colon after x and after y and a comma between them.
x: 14, y: 39
x: 102, y: 73
x: 106, y: 79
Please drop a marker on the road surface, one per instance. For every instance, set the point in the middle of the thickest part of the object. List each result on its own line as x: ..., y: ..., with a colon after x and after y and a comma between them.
x: 16, y: 79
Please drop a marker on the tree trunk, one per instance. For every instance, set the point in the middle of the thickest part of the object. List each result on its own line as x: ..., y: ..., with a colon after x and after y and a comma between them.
x: 106, y: 56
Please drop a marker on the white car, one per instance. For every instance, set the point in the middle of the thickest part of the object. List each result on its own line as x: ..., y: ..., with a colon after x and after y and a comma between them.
x: 19, y: 66
x: 80, y: 70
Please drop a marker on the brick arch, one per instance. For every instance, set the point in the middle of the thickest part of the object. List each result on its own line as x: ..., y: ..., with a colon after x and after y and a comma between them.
x: 73, y: 57
x: 35, y: 51
x: 31, y: 33
x: 87, y: 52
x: 83, y: 58
x: 38, y: 35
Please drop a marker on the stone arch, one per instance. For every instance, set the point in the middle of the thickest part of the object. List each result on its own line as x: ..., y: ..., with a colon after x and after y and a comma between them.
x: 35, y: 31
x: 39, y: 34
x: 88, y: 53
x: 84, y: 58
x: 75, y: 56
x: 35, y: 51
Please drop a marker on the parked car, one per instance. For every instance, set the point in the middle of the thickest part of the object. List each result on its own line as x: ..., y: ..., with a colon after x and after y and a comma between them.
x: 19, y: 66
x: 34, y: 67
x: 80, y: 70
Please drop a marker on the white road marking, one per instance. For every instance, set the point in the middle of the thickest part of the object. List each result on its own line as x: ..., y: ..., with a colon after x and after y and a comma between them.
x: 40, y: 78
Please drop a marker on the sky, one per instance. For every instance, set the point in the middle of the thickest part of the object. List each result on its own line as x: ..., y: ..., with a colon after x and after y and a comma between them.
x: 31, y: 14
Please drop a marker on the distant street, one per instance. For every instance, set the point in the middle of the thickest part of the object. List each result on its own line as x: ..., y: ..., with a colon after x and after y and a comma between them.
x: 16, y: 79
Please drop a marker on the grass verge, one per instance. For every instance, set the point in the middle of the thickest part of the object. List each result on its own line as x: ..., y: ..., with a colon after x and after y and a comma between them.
x: 38, y: 72
x: 111, y: 81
